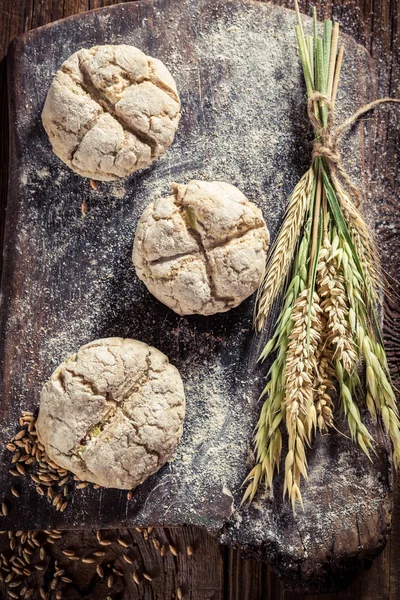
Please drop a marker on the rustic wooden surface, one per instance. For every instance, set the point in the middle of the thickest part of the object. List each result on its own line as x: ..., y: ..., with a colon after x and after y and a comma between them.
x: 251, y: 579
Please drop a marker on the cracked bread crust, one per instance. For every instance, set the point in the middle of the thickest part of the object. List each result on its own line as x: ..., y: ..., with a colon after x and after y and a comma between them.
x: 112, y: 413
x: 201, y: 250
x: 110, y: 111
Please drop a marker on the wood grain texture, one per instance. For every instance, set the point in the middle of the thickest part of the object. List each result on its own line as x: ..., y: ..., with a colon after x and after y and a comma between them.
x: 376, y: 25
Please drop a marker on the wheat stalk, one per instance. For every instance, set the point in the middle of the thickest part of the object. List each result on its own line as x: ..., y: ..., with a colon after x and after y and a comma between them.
x: 328, y: 326
x: 281, y: 257
x: 268, y: 438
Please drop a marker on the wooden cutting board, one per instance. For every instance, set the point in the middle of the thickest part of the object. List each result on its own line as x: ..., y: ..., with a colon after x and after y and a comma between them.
x: 68, y: 279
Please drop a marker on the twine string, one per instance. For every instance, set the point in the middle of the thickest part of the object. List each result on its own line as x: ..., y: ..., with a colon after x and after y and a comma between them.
x: 326, y: 143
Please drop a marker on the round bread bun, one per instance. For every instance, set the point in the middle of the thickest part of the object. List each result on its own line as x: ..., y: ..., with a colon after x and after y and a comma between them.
x: 110, y: 111
x: 112, y: 413
x: 201, y: 250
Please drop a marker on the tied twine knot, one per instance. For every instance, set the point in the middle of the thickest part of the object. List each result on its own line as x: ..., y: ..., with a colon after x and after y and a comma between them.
x: 326, y: 143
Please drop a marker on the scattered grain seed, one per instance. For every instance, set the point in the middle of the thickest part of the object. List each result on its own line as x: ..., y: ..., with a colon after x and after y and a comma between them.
x: 20, y: 434
x: 59, y: 595
x: 173, y: 550
x: 65, y: 491
x: 50, y: 540
x: 156, y: 544
x: 164, y: 550
x: 40, y: 490
x: 42, y: 553
x: 66, y: 579
x: 122, y: 543
x: 42, y: 593
x: 127, y: 559
x: 20, y: 444
x: 99, y: 553
x: 68, y: 552
x: 88, y: 560
x: 105, y: 542
x: 39, y: 567
x: 15, y: 473
x: 150, y: 529
x: 147, y: 576
x: 73, y: 558
x: 119, y: 573
x: 13, y: 594
x: 11, y: 447
x: 189, y: 550
x: 20, y: 468
x: 96, y: 487
x: 15, y: 492
x: 10, y: 577
x: 16, y: 457
x: 13, y: 543
x: 54, y: 583
x: 27, y: 572
x: 57, y: 499
x: 82, y: 485
x: 100, y: 571
x: 179, y: 594
x: 129, y: 495
x: 110, y: 581
x: 63, y: 506
x: 15, y: 584
x: 29, y: 593
x: 63, y: 481
x: 4, y: 509
x: 135, y: 577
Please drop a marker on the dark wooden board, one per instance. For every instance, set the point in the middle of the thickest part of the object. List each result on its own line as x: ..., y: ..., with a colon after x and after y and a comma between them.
x: 236, y: 176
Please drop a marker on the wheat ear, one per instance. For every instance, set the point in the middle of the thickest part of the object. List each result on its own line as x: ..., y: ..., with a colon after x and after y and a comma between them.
x: 363, y: 241
x: 299, y: 376
x: 334, y: 303
x: 280, y: 259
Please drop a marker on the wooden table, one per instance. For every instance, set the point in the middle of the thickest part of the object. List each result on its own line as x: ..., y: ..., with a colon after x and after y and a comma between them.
x: 213, y: 571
